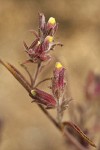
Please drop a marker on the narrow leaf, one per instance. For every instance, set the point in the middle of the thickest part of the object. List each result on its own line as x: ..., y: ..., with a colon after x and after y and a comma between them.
x: 34, y: 43
x: 17, y: 75
x: 35, y: 33
x: 25, y: 45
x: 79, y: 131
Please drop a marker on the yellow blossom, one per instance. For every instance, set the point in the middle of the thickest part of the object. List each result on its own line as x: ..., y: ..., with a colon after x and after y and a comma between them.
x: 58, y: 65
x: 52, y: 20
x: 49, y: 39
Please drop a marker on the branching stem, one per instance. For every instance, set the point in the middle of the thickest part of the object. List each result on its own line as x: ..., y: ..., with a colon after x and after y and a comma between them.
x: 42, y: 81
x: 36, y: 74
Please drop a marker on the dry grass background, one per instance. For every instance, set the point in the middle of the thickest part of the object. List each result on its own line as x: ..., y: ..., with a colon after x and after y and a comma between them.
x: 24, y: 126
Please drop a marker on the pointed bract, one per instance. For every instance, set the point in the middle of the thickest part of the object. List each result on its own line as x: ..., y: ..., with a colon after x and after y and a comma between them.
x: 44, y: 98
x: 58, y: 80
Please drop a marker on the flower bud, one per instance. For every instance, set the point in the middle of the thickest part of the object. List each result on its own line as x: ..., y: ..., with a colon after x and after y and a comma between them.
x: 52, y: 21
x: 48, y: 39
x: 58, y: 65
x: 58, y: 80
x: 47, y: 44
x: 51, y: 26
x: 44, y: 98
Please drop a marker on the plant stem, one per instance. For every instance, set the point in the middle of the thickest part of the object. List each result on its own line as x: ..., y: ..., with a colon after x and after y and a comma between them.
x: 42, y: 81
x: 50, y: 117
x: 27, y: 86
x: 57, y: 124
x: 25, y: 68
x: 59, y: 117
x: 36, y: 74
x: 66, y: 133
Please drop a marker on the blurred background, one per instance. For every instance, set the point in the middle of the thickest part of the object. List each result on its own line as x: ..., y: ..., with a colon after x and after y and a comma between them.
x: 22, y: 125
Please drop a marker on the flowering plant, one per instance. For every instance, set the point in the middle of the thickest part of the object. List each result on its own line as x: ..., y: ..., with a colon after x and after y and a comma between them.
x: 39, y: 52
x: 44, y: 42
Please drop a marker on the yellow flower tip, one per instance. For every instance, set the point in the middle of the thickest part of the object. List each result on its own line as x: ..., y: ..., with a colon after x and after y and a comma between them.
x: 49, y: 39
x: 38, y: 43
x: 58, y: 65
x: 52, y: 20
x: 33, y: 92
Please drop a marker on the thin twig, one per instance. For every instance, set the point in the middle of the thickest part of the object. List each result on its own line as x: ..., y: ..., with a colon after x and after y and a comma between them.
x: 36, y: 74
x: 42, y: 81
x: 31, y: 79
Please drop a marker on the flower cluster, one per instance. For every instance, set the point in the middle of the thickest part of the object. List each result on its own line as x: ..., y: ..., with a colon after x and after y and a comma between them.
x: 58, y: 86
x: 38, y: 52
x: 44, y: 42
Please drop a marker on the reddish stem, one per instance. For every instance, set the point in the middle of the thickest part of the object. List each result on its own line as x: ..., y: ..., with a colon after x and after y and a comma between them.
x: 36, y: 74
x: 42, y: 81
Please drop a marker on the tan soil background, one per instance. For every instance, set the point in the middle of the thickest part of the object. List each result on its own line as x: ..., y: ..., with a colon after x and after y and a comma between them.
x: 24, y: 126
